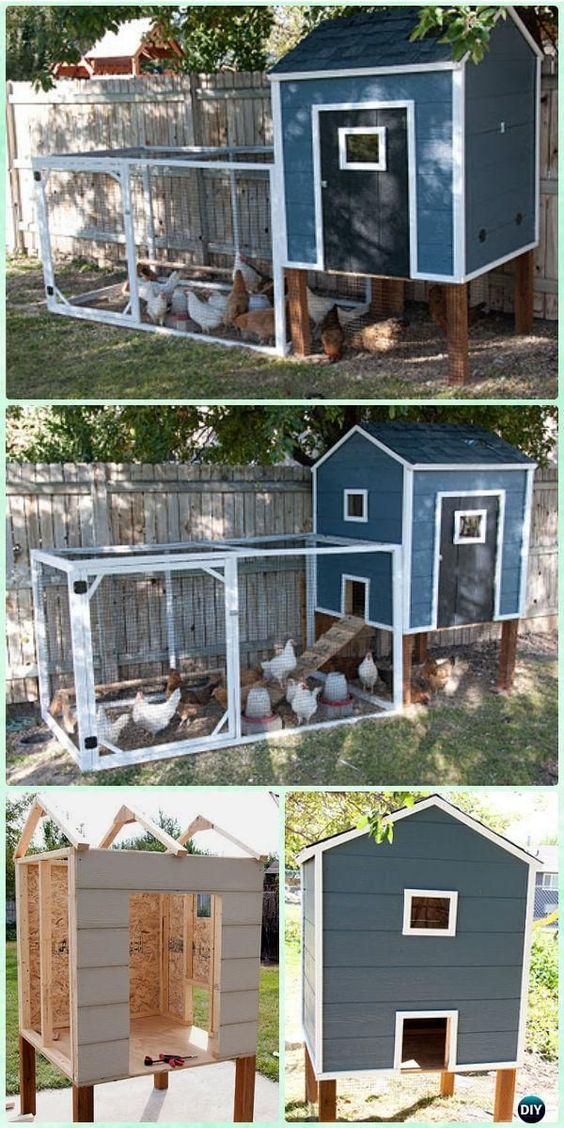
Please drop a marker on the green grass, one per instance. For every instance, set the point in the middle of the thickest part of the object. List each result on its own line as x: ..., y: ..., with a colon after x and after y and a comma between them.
x: 50, y: 1078
x: 542, y: 1021
x: 52, y: 357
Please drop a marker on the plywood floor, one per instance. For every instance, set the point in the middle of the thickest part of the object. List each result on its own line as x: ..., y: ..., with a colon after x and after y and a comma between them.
x: 160, y: 1035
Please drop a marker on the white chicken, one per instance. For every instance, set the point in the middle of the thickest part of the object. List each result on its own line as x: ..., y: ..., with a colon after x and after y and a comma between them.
x: 251, y: 277
x: 281, y: 665
x: 178, y: 303
x: 368, y: 672
x: 109, y: 730
x: 154, y: 718
x: 171, y: 284
x: 218, y: 300
x: 304, y: 702
x: 207, y: 316
x: 157, y: 301
x: 291, y: 690
x: 318, y: 307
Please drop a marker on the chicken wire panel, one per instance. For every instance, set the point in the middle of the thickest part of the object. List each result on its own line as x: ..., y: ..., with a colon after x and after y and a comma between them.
x: 350, y: 293
x: 53, y: 636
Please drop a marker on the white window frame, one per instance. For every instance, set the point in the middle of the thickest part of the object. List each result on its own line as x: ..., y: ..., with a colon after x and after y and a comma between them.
x: 357, y: 580
x: 355, y: 493
x: 553, y: 878
x: 451, y: 1034
x: 458, y: 515
x: 367, y: 166
x: 409, y: 894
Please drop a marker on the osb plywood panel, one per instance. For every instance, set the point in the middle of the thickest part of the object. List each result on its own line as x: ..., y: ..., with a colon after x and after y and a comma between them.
x: 59, y: 946
x: 202, y: 948
x: 33, y: 956
x: 144, y: 953
x: 176, y: 954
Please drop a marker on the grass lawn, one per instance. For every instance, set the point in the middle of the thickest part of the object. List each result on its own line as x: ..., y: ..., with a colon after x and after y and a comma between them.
x: 49, y: 1078
x: 52, y: 357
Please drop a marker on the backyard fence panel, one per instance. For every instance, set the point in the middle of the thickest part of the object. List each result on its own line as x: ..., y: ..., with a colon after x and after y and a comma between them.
x: 209, y: 110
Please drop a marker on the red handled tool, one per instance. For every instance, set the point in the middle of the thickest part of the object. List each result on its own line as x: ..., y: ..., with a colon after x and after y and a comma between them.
x: 174, y: 1060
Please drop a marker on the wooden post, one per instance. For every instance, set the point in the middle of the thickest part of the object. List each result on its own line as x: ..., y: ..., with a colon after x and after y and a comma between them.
x: 243, y: 1109
x: 327, y: 1101
x: 407, y: 661
x: 420, y: 647
x: 28, y: 1104
x: 507, y: 654
x: 505, y: 1080
x: 160, y: 1080
x: 83, y: 1104
x: 311, y: 1089
x: 388, y: 296
x: 524, y: 292
x: 447, y: 1084
x: 298, y: 311
x: 457, y: 333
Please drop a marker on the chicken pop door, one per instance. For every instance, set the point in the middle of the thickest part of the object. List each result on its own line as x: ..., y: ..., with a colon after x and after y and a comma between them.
x: 467, y: 560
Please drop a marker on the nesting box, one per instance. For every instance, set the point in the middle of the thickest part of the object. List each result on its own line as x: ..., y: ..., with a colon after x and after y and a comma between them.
x: 124, y: 955
x: 416, y: 953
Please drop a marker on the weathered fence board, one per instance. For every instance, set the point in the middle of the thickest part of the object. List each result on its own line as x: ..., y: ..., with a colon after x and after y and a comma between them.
x: 64, y: 506
x: 222, y: 109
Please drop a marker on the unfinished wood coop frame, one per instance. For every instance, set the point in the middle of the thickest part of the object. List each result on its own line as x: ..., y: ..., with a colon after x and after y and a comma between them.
x: 111, y: 954
x: 111, y: 623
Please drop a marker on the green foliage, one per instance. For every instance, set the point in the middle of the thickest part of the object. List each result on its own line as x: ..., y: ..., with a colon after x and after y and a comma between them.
x: 542, y: 1023
x: 219, y: 37
x: 16, y: 811
x: 466, y: 29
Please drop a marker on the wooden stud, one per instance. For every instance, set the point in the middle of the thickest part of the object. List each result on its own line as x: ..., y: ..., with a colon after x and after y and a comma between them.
x: 420, y: 642
x: 447, y: 1084
x: 244, y: 1103
x: 524, y: 292
x: 407, y: 663
x: 28, y: 1102
x: 507, y: 654
x: 160, y: 1080
x: 298, y: 314
x: 40, y: 808
x: 311, y: 1090
x: 45, y: 948
x: 83, y: 1104
x: 327, y: 1101
x: 505, y: 1081
x: 457, y: 333
x: 215, y: 1000
x: 387, y: 298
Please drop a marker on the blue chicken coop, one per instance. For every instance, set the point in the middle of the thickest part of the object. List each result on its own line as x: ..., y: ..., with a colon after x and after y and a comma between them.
x: 457, y: 499
x: 398, y: 163
x: 416, y: 953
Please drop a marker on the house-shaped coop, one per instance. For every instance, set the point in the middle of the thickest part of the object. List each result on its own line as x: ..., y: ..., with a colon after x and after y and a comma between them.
x: 124, y: 955
x: 416, y: 952
x: 397, y: 161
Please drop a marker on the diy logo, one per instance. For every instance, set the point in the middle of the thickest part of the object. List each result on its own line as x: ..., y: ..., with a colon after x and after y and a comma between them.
x: 531, y: 1109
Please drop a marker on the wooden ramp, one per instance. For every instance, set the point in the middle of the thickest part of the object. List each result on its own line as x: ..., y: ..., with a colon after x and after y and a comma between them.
x: 327, y: 646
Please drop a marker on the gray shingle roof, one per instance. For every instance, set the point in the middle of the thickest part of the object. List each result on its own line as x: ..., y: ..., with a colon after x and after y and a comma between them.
x: 365, y: 39
x: 456, y: 443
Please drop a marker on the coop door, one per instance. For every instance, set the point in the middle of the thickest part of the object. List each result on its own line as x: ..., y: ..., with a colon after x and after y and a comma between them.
x: 467, y: 560
x: 364, y: 191
x: 424, y: 1043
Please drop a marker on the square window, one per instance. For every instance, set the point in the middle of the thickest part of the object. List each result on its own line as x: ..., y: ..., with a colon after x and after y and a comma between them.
x: 470, y: 526
x: 362, y: 148
x: 356, y: 505
x: 429, y: 912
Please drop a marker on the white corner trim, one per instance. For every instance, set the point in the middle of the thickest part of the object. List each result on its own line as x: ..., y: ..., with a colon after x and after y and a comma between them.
x: 452, y: 1033
x: 407, y: 542
x: 527, y: 943
x: 450, y: 894
x: 355, y: 493
x: 525, y: 545
x: 459, y: 173
x: 358, y: 429
x: 318, y: 912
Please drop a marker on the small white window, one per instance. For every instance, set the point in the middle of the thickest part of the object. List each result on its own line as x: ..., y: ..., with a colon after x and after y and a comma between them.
x: 470, y: 526
x: 355, y: 505
x: 549, y: 880
x: 429, y: 912
x: 363, y: 147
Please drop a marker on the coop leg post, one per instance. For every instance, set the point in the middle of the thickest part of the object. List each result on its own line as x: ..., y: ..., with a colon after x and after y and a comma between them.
x: 298, y: 311
x: 327, y: 1101
x: 28, y: 1104
x: 447, y: 1084
x: 420, y: 647
x: 457, y: 333
x: 524, y: 292
x: 311, y: 1090
x: 388, y: 296
x: 407, y: 661
x: 160, y: 1080
x: 245, y: 1070
x: 507, y: 654
x: 505, y: 1081
x: 83, y: 1104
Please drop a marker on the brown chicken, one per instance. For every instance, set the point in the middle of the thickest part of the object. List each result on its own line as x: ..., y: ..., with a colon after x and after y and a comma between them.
x: 381, y: 336
x: 332, y: 335
x: 257, y: 323
x: 436, y: 673
x: 248, y: 678
x: 238, y: 300
x: 173, y: 681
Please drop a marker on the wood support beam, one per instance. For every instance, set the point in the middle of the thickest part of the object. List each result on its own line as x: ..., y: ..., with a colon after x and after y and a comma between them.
x: 244, y: 1104
x: 311, y: 1089
x: 457, y: 333
x: 447, y: 1084
x: 83, y: 1104
x: 28, y: 1104
x: 388, y: 298
x: 524, y: 292
x: 298, y: 313
x: 327, y: 1101
x: 505, y: 1081
x: 407, y: 664
x: 420, y: 642
x: 507, y: 654
x: 160, y: 1080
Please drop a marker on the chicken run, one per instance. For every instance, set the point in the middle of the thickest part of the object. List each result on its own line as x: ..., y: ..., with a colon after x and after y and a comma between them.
x: 187, y: 242
x: 148, y: 652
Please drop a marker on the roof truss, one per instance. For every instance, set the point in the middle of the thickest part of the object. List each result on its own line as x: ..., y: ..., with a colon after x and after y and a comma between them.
x: 130, y: 814
x: 44, y: 808
x: 201, y: 823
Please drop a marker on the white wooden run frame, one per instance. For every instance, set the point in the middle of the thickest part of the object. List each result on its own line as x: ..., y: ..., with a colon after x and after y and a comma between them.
x: 73, y: 578
x: 143, y: 164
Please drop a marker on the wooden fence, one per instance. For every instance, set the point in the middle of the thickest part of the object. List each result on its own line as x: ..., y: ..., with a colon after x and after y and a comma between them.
x: 65, y: 506
x: 222, y: 109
